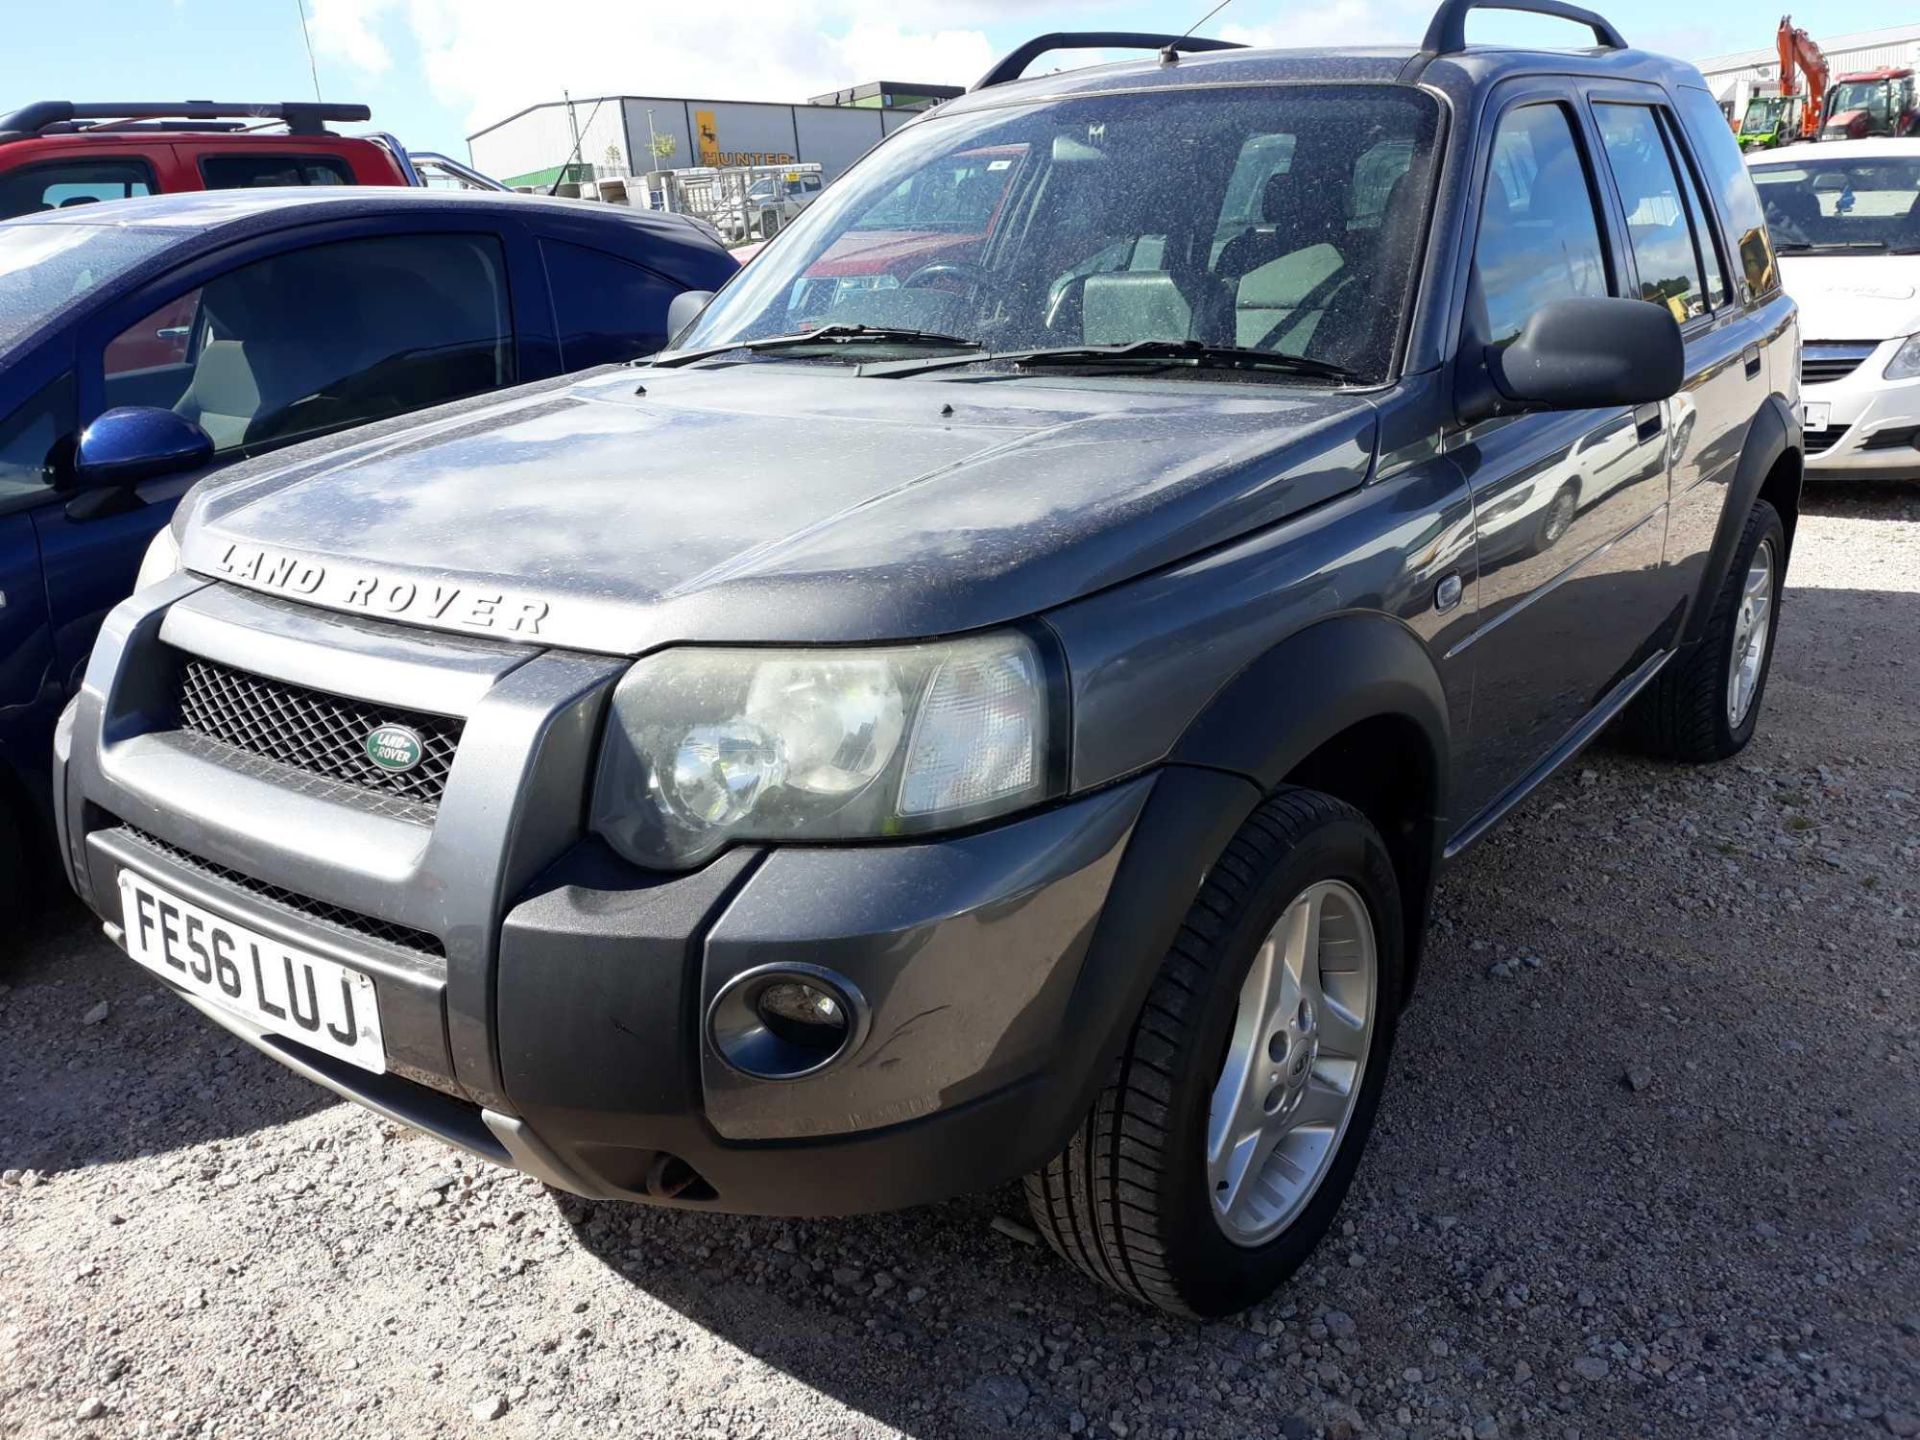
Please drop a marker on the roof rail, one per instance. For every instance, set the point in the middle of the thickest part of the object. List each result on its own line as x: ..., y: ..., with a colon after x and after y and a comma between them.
x: 1448, y: 32
x: 302, y: 117
x: 1014, y: 64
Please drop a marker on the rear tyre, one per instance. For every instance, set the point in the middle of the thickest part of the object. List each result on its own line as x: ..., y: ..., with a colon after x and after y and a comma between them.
x: 1227, y: 1133
x: 1706, y: 704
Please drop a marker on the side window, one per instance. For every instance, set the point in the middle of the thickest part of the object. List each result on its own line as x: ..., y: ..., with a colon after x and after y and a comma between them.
x: 1657, y: 224
x: 1539, y: 237
x: 606, y: 308
x: 1732, y: 188
x: 65, y: 183
x: 164, y: 338
x: 246, y: 172
x: 323, y: 338
x: 1718, y: 288
x: 30, y: 441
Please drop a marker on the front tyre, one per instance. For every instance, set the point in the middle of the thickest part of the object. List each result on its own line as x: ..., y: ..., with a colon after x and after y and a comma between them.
x: 1222, y: 1143
x: 1705, y: 705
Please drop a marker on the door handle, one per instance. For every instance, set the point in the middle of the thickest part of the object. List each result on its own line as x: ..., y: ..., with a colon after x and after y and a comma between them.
x: 1751, y: 358
x: 1647, y: 422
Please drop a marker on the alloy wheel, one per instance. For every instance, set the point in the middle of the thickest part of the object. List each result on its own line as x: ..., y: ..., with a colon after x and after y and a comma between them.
x: 1294, y: 1063
x: 1752, y: 633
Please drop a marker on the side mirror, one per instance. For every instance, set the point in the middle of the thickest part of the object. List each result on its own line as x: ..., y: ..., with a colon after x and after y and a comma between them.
x: 683, y: 310
x: 1583, y: 354
x: 138, y: 442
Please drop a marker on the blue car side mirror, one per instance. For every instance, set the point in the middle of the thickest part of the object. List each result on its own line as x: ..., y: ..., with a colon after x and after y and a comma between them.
x: 138, y: 442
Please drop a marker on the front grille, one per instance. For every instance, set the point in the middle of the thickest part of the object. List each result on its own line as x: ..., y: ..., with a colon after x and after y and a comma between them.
x: 1824, y: 364
x: 1817, y: 441
x: 1900, y: 437
x: 331, y: 917
x: 312, y: 730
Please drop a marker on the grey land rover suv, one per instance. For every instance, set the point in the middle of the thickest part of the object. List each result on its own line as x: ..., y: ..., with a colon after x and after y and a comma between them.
x: 992, y: 699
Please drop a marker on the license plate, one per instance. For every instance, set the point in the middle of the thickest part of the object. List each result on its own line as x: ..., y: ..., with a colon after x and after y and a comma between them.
x: 1814, y: 414
x: 273, y: 986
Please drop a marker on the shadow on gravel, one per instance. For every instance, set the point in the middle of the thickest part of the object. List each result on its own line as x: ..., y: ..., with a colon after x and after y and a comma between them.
x: 99, y: 1062
x: 1891, y: 500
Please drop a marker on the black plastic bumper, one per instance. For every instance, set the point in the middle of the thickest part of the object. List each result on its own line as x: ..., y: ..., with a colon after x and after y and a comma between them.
x: 1001, y: 967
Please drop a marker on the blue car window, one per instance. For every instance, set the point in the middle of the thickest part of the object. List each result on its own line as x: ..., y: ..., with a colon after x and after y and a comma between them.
x: 607, y: 308
x: 30, y: 441
x: 319, y: 339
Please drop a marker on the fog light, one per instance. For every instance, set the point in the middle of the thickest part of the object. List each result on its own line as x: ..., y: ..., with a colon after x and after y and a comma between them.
x: 803, y: 1015
x: 785, y: 1021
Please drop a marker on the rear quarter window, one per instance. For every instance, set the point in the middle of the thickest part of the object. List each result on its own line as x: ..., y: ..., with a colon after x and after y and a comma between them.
x: 61, y: 184
x: 246, y: 172
x: 1726, y: 175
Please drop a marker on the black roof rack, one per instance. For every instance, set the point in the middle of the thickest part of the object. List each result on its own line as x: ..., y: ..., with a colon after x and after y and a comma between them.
x: 301, y: 117
x: 1448, y: 32
x: 1014, y: 64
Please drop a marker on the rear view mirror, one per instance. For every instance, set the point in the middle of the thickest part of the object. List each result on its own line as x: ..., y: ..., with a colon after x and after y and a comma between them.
x: 138, y: 442
x: 683, y: 310
x: 1587, y: 354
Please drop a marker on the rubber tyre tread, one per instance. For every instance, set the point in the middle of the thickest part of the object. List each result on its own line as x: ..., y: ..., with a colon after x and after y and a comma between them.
x: 1101, y: 1203
x: 1682, y: 715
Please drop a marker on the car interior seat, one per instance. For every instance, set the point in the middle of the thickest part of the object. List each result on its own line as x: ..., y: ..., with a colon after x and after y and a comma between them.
x: 1282, y: 271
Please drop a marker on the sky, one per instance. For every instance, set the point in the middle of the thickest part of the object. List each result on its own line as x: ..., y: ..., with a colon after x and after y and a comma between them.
x: 434, y: 71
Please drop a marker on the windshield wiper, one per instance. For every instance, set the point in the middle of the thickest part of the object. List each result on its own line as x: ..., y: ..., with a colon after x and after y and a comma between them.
x: 1800, y: 247
x: 1151, y: 353
x: 828, y: 335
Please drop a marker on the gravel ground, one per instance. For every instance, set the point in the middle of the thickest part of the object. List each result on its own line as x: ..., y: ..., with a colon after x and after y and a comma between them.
x: 1650, y: 1165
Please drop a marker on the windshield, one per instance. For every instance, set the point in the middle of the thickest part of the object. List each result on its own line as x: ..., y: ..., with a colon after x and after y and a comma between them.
x: 1869, y: 95
x: 1762, y: 116
x: 1821, y: 201
x: 44, y: 266
x: 1284, y: 219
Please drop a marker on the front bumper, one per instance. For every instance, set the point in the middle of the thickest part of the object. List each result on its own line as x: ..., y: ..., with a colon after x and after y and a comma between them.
x: 1873, y: 424
x: 542, y: 1000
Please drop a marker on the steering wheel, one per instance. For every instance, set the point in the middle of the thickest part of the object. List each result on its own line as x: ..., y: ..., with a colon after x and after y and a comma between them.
x: 964, y: 271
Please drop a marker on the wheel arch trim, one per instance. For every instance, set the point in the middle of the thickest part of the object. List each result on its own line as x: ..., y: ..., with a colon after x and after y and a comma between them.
x: 1772, y: 434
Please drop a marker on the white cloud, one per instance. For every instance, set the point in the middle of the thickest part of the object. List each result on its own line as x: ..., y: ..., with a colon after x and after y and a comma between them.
x: 344, y: 30
x: 485, y: 59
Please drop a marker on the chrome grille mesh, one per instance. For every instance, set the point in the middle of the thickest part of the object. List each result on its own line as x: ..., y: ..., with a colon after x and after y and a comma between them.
x: 311, y: 730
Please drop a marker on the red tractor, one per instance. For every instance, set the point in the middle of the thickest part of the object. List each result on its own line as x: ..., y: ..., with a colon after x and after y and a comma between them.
x: 1871, y: 102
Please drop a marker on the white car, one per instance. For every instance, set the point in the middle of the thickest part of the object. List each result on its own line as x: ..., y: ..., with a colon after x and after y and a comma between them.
x: 1845, y: 221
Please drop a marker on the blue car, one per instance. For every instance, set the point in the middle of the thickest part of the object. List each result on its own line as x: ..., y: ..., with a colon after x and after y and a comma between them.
x: 147, y: 343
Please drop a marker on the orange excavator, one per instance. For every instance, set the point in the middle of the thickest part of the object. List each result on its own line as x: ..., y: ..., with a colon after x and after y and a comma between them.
x: 1798, y: 50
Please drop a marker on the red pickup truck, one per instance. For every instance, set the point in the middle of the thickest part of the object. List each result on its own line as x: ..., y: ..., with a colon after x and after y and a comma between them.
x: 56, y: 153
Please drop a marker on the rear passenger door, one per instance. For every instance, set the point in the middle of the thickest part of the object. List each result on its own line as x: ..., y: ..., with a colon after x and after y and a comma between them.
x: 1681, y: 261
x: 1570, y: 506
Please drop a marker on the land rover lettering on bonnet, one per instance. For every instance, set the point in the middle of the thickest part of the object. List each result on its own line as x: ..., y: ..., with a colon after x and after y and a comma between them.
x: 432, y: 602
x: 1016, y: 664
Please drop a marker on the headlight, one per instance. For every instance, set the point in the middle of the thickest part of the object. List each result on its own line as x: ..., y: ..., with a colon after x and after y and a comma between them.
x: 1905, y: 364
x: 162, y: 560
x: 712, y: 746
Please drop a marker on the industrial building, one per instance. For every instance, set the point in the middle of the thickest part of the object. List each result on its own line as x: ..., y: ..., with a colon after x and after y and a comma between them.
x: 1734, y: 77
x: 616, y: 135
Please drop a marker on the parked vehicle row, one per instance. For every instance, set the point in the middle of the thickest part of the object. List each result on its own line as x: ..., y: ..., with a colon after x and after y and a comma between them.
x: 992, y: 700
x: 149, y: 343
x: 1845, y: 220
